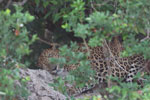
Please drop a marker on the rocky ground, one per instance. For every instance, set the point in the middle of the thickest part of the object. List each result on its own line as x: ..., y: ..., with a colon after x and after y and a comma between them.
x: 39, y: 87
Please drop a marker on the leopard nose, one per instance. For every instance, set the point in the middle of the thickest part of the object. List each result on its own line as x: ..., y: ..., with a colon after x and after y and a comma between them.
x: 56, y: 70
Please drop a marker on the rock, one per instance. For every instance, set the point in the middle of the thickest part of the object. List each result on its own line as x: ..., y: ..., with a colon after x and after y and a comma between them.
x: 38, y: 86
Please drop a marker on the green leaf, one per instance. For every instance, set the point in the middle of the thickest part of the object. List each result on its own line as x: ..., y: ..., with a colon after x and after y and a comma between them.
x: 2, y: 93
x: 45, y: 4
x: 37, y: 2
x: 64, y: 26
x: 7, y: 11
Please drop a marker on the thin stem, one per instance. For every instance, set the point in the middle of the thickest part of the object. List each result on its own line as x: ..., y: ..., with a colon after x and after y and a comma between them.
x: 86, y: 45
x: 114, y: 57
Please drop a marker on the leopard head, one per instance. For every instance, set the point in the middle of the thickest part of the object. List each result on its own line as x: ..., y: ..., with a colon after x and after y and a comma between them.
x: 45, y: 63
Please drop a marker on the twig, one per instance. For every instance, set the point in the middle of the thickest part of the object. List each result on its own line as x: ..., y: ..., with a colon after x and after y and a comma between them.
x: 115, y: 6
x: 92, y: 6
x: 114, y: 57
x: 20, y: 3
x: 51, y: 44
x: 148, y: 34
x: 1, y: 1
x: 8, y: 4
x: 17, y: 3
x: 44, y: 41
x: 88, y: 50
x: 99, y: 5
x: 105, y: 52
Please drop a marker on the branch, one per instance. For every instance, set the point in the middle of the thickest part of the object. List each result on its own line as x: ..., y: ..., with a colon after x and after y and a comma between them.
x: 99, y: 5
x: 20, y: 3
x: 8, y: 4
x: 104, y: 2
x: 105, y: 52
x: 148, y: 35
x: 44, y: 41
x: 86, y: 45
x: 12, y: 3
x: 51, y: 44
x: 92, y: 6
x: 48, y: 43
x: 114, y: 57
x: 1, y: 1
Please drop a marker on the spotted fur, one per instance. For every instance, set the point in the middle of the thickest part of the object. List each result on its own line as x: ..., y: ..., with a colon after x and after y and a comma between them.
x: 102, y: 62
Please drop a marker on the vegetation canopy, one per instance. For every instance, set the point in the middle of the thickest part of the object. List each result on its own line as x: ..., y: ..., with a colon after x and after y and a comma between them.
x: 27, y: 27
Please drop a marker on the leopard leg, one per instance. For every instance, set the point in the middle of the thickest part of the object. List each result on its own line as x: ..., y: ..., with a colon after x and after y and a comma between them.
x: 88, y: 87
x: 79, y: 91
x: 132, y: 72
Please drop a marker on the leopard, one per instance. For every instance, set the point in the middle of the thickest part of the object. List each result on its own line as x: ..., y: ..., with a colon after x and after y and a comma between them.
x: 44, y: 61
x: 105, y: 60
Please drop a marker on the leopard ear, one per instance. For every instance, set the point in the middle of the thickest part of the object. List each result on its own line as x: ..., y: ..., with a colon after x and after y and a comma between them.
x: 55, y: 46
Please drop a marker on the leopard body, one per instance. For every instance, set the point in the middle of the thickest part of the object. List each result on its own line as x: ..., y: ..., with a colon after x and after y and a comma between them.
x: 102, y: 62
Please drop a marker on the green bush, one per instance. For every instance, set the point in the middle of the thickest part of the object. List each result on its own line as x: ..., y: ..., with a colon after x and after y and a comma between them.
x: 103, y: 23
x: 94, y: 21
x: 14, y: 44
x: 130, y: 91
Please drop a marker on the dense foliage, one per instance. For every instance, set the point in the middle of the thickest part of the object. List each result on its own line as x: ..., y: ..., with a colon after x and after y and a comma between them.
x: 91, y: 21
x: 14, y: 44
